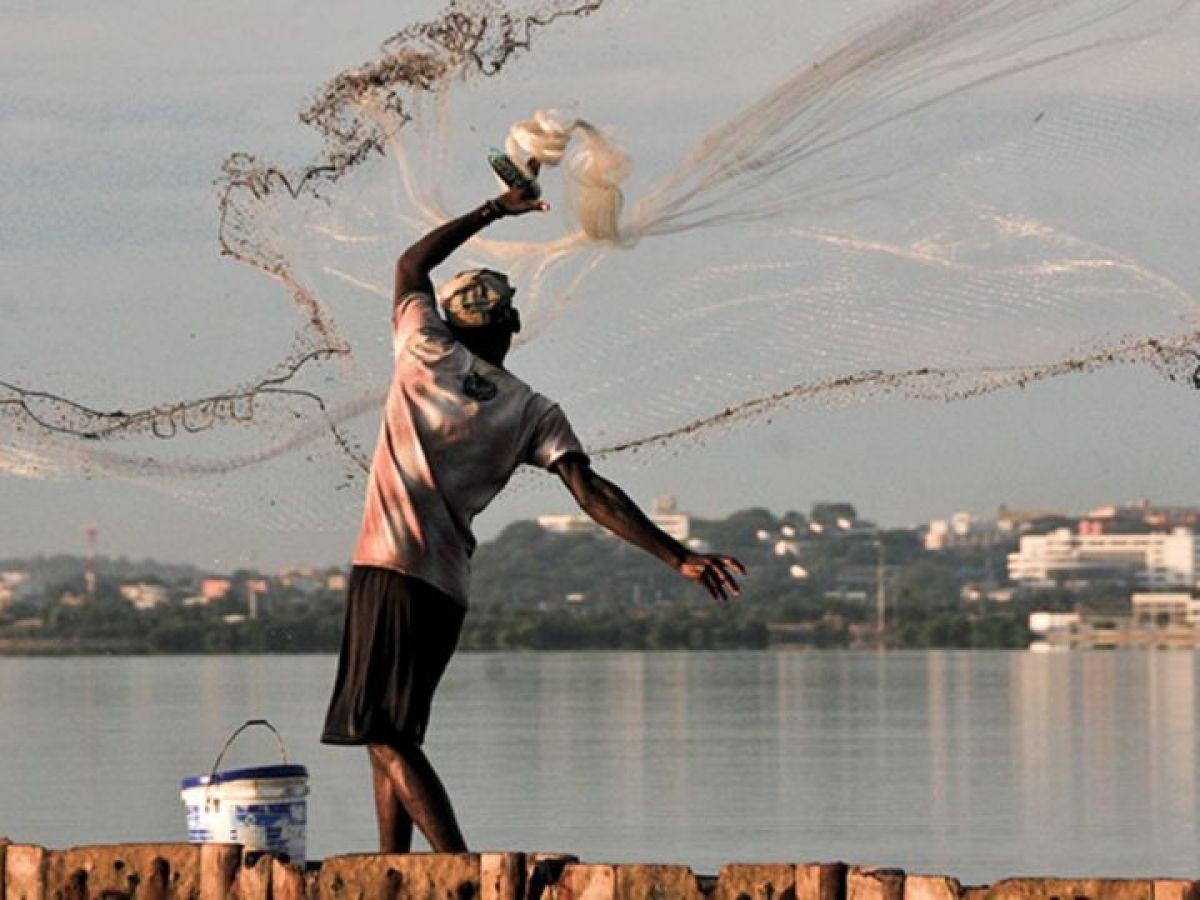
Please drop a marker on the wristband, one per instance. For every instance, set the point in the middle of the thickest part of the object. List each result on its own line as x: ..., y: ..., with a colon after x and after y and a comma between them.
x: 494, y: 208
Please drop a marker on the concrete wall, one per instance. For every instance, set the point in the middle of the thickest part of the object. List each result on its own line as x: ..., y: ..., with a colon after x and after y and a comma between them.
x: 219, y: 872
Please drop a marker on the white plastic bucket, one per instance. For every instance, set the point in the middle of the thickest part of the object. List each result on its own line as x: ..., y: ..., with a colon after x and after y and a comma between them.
x: 263, y: 808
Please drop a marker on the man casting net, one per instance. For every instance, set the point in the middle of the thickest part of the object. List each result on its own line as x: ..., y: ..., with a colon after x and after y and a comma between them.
x: 949, y: 198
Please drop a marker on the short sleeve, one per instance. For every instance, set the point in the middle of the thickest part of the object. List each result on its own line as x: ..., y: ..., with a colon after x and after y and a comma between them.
x: 414, y: 312
x: 552, y: 439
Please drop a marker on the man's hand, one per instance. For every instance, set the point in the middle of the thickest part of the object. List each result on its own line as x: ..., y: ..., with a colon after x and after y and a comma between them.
x: 714, y: 572
x: 415, y: 263
x: 515, y: 203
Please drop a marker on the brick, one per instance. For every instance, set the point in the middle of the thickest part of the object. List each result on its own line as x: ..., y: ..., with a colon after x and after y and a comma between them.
x: 874, y: 884
x: 287, y: 881
x: 1176, y: 889
x: 360, y: 876
x: 931, y: 887
x: 821, y: 881
x: 750, y: 881
x: 157, y: 871
x: 219, y: 864
x: 24, y: 872
x: 584, y: 882
x: 1071, y: 889
x: 657, y: 882
x: 312, y: 880
x: 448, y: 875
x: 253, y: 881
x: 400, y: 876
x: 542, y: 870
x: 502, y: 876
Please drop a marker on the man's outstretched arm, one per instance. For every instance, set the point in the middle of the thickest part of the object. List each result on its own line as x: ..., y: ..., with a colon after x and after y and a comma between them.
x: 611, y: 507
x: 415, y: 264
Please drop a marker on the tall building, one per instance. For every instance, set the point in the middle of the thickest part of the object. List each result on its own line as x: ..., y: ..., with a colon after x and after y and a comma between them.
x: 1158, y: 560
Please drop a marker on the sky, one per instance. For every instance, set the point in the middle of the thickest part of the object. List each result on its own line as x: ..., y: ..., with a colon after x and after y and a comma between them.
x: 115, y: 119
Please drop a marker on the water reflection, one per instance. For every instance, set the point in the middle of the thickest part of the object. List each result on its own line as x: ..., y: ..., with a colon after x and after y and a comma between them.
x: 975, y: 764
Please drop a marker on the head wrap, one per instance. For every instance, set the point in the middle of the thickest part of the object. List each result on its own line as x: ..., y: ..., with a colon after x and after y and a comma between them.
x: 476, y: 298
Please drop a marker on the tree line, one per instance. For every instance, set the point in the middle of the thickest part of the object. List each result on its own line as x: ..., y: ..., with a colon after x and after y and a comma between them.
x: 536, y: 590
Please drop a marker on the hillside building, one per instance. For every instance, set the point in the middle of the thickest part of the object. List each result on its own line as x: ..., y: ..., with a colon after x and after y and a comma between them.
x: 1157, y: 560
x: 663, y: 513
x: 963, y: 530
x: 145, y: 595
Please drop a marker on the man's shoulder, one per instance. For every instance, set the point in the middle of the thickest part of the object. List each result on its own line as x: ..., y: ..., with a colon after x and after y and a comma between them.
x: 516, y: 387
x: 413, y: 303
x: 417, y: 327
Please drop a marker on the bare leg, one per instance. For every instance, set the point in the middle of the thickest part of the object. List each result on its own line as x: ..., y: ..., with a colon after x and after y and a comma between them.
x: 420, y: 791
x: 395, y: 824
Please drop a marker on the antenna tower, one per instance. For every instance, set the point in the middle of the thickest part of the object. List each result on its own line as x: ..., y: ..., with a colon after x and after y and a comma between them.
x: 89, y: 573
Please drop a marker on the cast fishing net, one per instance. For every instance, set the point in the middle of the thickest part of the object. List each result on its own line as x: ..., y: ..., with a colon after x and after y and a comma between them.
x: 952, y: 197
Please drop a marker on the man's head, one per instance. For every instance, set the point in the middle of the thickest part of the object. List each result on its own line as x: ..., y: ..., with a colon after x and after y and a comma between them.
x: 478, y: 307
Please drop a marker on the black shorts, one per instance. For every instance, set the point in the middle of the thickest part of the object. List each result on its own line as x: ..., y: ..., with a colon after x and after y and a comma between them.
x: 399, y: 634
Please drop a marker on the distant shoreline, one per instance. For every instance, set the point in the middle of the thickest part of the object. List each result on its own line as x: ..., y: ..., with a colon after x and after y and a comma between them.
x: 14, y: 649
x: 10, y: 649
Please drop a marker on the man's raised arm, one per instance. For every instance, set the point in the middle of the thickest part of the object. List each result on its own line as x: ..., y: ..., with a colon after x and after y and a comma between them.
x: 415, y: 264
x: 611, y: 507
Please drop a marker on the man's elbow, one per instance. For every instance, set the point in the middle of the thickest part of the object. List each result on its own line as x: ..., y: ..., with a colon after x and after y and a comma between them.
x: 583, y: 494
x: 583, y: 486
x: 592, y: 503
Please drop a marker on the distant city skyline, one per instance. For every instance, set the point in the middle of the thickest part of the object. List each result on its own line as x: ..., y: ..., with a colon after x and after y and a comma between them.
x: 113, y: 541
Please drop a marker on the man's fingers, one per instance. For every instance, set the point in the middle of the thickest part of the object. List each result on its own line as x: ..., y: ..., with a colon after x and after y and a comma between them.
x: 734, y: 563
x: 719, y: 572
x: 721, y: 565
x: 713, y: 572
x: 730, y: 584
x: 714, y: 586
x: 725, y: 585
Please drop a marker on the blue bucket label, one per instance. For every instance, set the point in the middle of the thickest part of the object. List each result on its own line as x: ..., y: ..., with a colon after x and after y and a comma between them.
x: 275, y: 827
x: 277, y: 822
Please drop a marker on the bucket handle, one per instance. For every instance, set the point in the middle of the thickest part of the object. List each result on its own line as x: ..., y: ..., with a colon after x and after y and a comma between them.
x: 278, y: 737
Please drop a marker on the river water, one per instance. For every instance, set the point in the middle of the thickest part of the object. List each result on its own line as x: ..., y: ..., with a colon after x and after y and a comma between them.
x: 974, y: 764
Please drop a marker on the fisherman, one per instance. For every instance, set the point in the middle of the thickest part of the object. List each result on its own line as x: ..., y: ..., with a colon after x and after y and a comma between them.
x: 456, y: 424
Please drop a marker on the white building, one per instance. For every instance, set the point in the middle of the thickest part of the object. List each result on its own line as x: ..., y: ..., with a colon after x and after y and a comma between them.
x: 566, y: 523
x: 10, y: 582
x: 1163, y: 610
x: 961, y: 530
x: 663, y: 514
x: 1160, y: 560
x: 1044, y: 623
x: 144, y: 595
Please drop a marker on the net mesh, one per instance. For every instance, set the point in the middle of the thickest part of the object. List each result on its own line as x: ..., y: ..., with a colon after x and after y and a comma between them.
x: 954, y: 196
